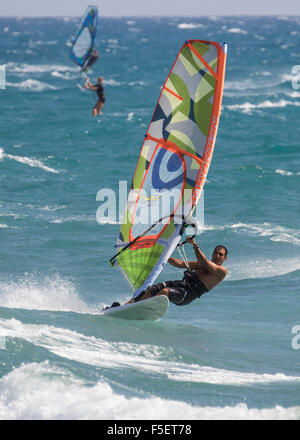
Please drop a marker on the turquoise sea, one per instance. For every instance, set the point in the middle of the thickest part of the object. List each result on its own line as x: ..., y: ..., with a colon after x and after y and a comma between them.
x: 233, y: 354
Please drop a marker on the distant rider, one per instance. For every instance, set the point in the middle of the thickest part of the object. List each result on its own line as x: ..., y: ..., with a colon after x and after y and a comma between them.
x: 99, y: 89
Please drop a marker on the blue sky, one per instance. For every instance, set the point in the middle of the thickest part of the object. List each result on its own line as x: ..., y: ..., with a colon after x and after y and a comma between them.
x: 150, y: 7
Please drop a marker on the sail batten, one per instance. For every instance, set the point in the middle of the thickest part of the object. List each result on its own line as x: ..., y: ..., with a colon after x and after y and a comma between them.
x: 173, y: 147
x: 173, y: 162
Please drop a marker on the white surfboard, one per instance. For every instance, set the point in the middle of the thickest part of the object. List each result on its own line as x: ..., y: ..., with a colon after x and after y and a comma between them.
x: 149, y: 309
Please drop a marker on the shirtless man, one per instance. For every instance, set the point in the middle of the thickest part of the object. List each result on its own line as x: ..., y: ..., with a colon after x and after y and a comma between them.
x: 99, y: 89
x: 203, y: 276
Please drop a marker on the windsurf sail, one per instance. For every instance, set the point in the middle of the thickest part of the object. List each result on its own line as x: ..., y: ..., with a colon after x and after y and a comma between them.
x: 173, y: 162
x: 83, y: 42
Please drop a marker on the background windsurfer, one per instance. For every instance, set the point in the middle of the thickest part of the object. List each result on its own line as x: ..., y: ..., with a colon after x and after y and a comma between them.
x: 99, y: 89
x: 201, y: 276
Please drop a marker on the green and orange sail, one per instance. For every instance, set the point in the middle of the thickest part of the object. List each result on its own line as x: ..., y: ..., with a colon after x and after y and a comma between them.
x: 174, y: 160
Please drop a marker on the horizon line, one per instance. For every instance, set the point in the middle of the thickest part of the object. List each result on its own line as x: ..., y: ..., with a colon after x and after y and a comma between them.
x: 158, y: 16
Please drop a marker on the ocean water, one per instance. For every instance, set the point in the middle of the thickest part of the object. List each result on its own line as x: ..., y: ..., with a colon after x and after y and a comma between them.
x: 233, y: 354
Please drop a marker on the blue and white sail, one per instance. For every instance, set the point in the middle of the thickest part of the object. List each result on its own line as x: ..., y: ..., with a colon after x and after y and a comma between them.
x: 83, y: 42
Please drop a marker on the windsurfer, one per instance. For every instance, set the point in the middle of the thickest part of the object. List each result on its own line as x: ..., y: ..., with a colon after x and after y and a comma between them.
x: 99, y: 89
x: 202, y: 276
x: 91, y: 60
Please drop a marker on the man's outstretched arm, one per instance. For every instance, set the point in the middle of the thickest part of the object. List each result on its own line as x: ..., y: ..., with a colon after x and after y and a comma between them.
x: 177, y: 263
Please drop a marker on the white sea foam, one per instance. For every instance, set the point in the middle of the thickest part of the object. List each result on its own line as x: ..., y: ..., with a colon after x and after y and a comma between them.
x: 130, y: 116
x: 38, y: 68
x: 219, y: 376
x: 274, y: 232
x: 5, y: 226
x: 32, y: 85
x: 292, y: 94
x: 50, y: 293
x: 113, y: 41
x: 137, y: 83
x: 288, y: 77
x: 45, y: 392
x: 35, y: 43
x: 134, y: 29
x: 74, y: 218
x: 238, y: 89
x: 27, y: 161
x: 145, y: 358
x: 284, y: 172
x: 258, y: 85
x: 262, y: 268
x: 261, y: 73
x: 246, y: 88
x: 112, y: 82
x: 242, y: 85
x: 53, y: 207
x: 189, y: 26
x: 64, y: 75
x: 248, y: 107
x: 237, y: 31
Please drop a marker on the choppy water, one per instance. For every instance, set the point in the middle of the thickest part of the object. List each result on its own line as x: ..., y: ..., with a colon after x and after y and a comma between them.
x: 230, y: 355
